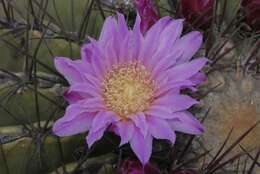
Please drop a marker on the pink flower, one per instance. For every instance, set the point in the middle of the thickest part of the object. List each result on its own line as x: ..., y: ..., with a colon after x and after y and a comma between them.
x: 135, y: 167
x: 252, y: 10
x: 130, y: 83
x: 197, y: 12
x: 148, y: 13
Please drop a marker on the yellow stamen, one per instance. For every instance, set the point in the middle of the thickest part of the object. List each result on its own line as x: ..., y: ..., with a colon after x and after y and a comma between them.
x: 128, y: 89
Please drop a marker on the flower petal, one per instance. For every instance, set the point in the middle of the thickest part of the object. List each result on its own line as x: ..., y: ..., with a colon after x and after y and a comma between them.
x: 198, y: 78
x: 140, y: 122
x: 98, y: 61
x: 167, y: 38
x: 187, y: 70
x: 86, y: 52
x: 102, y: 119
x: 125, y: 130
x: 124, y: 49
x: 186, y: 123
x: 85, y: 90
x: 122, y: 26
x: 164, y: 88
x: 159, y: 111
x: 111, y: 53
x: 151, y: 39
x: 72, y: 111
x: 182, y: 102
x: 136, y: 40
x: 100, y: 123
x: 192, y: 41
x: 72, y: 70
x: 92, y: 79
x: 171, y: 33
x: 160, y: 129
x: 73, y: 97
x: 137, y: 28
x: 79, y: 124
x: 108, y: 30
x: 142, y: 146
x: 163, y: 64
x: 95, y: 136
x: 93, y: 104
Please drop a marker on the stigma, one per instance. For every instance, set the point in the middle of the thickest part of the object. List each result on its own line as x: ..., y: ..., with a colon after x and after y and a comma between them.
x: 128, y: 89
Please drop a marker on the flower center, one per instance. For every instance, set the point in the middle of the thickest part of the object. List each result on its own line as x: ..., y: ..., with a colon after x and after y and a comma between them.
x: 128, y: 89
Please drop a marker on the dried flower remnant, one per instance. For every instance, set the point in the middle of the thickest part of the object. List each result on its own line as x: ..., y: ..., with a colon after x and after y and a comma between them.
x: 197, y: 12
x: 131, y: 83
x: 148, y: 12
x: 135, y: 167
x: 252, y: 12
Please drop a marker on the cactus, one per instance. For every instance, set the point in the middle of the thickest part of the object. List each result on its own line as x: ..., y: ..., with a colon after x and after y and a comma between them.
x: 27, y: 111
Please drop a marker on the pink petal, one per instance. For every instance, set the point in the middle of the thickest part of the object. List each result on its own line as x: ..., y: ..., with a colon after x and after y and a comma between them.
x: 172, y: 85
x: 72, y: 111
x: 160, y: 129
x: 187, y: 70
x: 81, y: 123
x: 167, y: 38
x: 98, y: 61
x: 171, y: 33
x: 151, y: 39
x: 182, y: 102
x: 100, y: 123
x: 102, y: 119
x: 85, y: 89
x: 86, y: 52
x: 136, y: 40
x: 142, y: 146
x: 162, y: 79
x: 192, y: 41
x: 137, y: 28
x: 92, y: 80
x: 198, y: 78
x: 111, y: 53
x: 98, y: 66
x: 122, y: 25
x: 93, y: 104
x: 73, y: 97
x: 124, y: 49
x: 140, y: 122
x: 125, y: 130
x: 109, y: 29
x: 92, y: 137
x: 162, y: 65
x: 159, y: 111
x: 70, y: 69
x: 186, y: 123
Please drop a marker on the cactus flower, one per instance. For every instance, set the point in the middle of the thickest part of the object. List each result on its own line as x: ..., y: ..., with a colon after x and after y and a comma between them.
x: 148, y: 13
x: 197, y: 12
x: 130, y: 83
x: 252, y: 10
x: 135, y: 167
